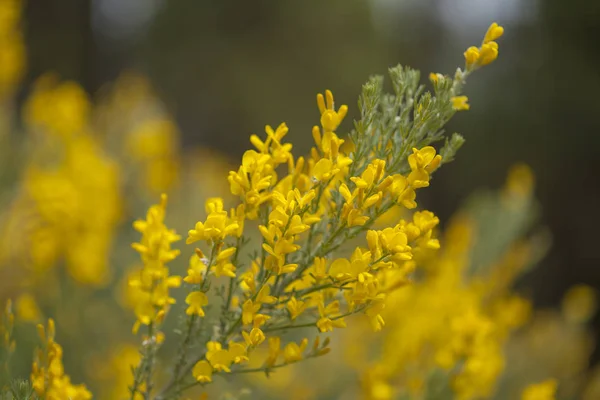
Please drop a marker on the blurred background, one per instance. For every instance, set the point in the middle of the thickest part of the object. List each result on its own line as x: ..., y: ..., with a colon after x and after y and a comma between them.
x: 220, y: 70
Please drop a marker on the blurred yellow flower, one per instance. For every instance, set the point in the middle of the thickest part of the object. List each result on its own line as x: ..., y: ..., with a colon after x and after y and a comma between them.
x: 459, y: 103
x: 540, y: 391
x: 27, y: 309
x: 203, y: 371
x: 579, y: 304
x: 195, y: 301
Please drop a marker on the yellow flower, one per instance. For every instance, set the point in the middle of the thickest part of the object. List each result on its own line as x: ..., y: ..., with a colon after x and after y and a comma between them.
x: 212, y: 347
x: 330, y: 119
x: 202, y: 372
x: 249, y: 310
x: 152, y: 284
x: 305, y: 199
x: 519, y: 182
x: 325, y: 323
x: 424, y: 158
x: 319, y: 268
x: 342, y: 269
x: 58, y: 108
x: 274, y: 350
x: 220, y: 360
x: 324, y: 170
x: 459, y: 103
x: 282, y: 247
x: 402, y: 191
x: 260, y: 320
x: 26, y: 308
x: 47, y: 376
x: 422, y: 163
x: 62, y: 388
x: 254, y: 338
x: 488, y: 53
x: 156, y: 238
x: 353, y: 216
x: 70, y: 190
x: 196, y: 270
x: 238, y: 352
x: 493, y: 33
x: 296, y: 226
x: 471, y: 56
x: 371, y: 175
x: 418, y: 178
x: 264, y: 296
x: 253, y: 181
x: 223, y: 266
x: 425, y: 221
x: 545, y: 390
x: 293, y: 352
x: 389, y: 241
x: 376, y: 387
x: 421, y: 229
x: 580, y: 303
x: 196, y: 300
x: 295, y: 307
x: 374, y: 314
x: 279, y: 152
x: 238, y: 214
x: 217, y: 225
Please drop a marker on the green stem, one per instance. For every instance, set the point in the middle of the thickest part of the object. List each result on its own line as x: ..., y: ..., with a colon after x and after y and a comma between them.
x: 238, y: 244
x: 184, y: 344
x: 249, y: 371
x: 178, y: 374
x: 312, y: 324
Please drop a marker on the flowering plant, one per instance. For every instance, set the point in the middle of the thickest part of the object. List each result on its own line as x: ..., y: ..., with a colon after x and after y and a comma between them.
x: 319, y: 259
x: 304, y: 254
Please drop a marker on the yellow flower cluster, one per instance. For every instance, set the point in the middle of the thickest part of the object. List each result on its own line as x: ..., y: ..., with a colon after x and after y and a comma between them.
x: 218, y: 225
x: 290, y: 207
x: 151, y: 286
x: 150, y: 290
x: 462, y: 332
x: 257, y: 172
x: 476, y: 57
x: 294, y: 279
x: 457, y: 343
x: 219, y: 359
x: 70, y: 196
x: 67, y: 200
x: 556, y: 344
x: 141, y: 132
x: 48, y: 376
x: 474, y: 314
x: 111, y: 371
x: 57, y: 108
